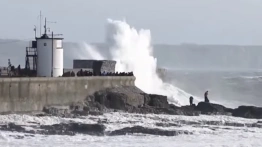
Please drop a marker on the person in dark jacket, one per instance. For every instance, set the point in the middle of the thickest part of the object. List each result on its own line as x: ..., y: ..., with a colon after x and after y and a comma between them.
x: 191, y: 100
x: 206, y: 97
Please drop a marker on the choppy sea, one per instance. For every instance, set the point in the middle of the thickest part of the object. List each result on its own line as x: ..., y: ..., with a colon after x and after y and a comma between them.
x: 231, y: 88
x: 208, y: 131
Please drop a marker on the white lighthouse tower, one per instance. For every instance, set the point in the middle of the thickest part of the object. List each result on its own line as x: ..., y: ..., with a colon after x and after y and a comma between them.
x: 50, y: 55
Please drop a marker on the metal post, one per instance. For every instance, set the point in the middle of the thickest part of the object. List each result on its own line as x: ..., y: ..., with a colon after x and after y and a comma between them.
x: 40, y: 23
x: 35, y: 31
x: 52, y: 54
x: 45, y: 25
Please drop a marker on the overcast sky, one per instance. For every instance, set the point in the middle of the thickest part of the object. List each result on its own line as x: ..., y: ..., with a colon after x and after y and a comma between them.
x: 170, y: 21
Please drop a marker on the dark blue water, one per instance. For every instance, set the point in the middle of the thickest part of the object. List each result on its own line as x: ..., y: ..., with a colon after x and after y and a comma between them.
x: 231, y: 88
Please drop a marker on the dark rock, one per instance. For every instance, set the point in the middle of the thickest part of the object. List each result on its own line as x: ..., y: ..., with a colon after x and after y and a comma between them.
x: 78, y: 106
x: 113, y: 100
x: 143, y: 130
x: 58, y: 129
x: 131, y: 99
x: 210, y: 108
x: 118, y: 98
x: 248, y: 112
x: 90, y: 98
x: 73, y: 128
x: 229, y: 110
x: 95, y: 113
x: 158, y: 101
x: 42, y: 115
x: 94, y: 108
x: 17, y: 136
x: 13, y: 127
x: 91, y: 129
x: 147, y: 99
x: 167, y: 125
x: 62, y: 111
x: 80, y: 113
x: 82, y: 108
x: 172, y: 106
x: 189, y: 110
x: 172, y: 110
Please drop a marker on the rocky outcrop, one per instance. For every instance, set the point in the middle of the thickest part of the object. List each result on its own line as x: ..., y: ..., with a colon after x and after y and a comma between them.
x: 133, y: 100
x: 86, y: 107
x: 118, y: 98
x: 62, y: 111
x: 158, y: 101
x: 151, y: 131
x: 248, y: 112
x: 210, y: 108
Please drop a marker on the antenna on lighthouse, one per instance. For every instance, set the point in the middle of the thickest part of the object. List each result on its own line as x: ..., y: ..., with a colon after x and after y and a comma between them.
x: 46, y: 23
x: 40, y: 23
x: 35, y: 31
x: 45, y: 26
x: 40, y: 28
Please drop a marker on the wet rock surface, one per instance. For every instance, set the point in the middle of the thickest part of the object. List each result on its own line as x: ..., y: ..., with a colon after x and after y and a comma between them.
x: 58, y: 129
x: 210, y: 108
x: 133, y: 100
x: 150, y: 131
x: 248, y: 112
x: 87, y: 129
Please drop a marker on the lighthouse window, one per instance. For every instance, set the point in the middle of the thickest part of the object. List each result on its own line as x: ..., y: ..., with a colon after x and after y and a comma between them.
x: 59, y: 44
x: 44, y: 44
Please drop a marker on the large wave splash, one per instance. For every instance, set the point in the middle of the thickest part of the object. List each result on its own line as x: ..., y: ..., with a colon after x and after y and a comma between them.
x: 133, y: 52
x: 87, y: 51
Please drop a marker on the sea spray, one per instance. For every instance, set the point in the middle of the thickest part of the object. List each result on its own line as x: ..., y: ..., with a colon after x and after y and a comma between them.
x: 132, y: 50
x: 87, y: 51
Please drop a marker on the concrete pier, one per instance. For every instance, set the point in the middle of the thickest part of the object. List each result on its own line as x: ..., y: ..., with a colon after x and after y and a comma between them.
x: 32, y: 94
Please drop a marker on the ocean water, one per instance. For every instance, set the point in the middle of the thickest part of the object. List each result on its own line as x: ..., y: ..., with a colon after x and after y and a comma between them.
x: 208, y: 131
x: 231, y: 88
x: 225, y: 73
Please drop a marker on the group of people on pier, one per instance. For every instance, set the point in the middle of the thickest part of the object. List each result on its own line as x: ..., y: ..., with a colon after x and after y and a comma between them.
x: 82, y: 73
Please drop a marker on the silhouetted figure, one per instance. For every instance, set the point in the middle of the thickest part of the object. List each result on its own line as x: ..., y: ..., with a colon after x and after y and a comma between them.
x: 19, y: 70
x: 80, y: 73
x: 72, y: 74
x: 206, y: 97
x: 191, y: 100
x: 66, y: 74
x: 104, y: 73
x: 85, y: 73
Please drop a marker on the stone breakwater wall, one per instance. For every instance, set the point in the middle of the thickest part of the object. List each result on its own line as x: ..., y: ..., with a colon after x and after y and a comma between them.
x: 32, y: 94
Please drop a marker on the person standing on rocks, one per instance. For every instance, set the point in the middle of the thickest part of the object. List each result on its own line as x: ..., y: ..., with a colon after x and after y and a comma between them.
x: 206, y: 97
x: 191, y: 100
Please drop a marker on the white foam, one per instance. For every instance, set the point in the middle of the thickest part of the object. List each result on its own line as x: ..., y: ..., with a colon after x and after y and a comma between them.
x: 203, y: 135
x: 132, y: 50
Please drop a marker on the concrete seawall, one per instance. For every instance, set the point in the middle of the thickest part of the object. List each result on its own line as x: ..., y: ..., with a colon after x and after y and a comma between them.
x: 32, y: 94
